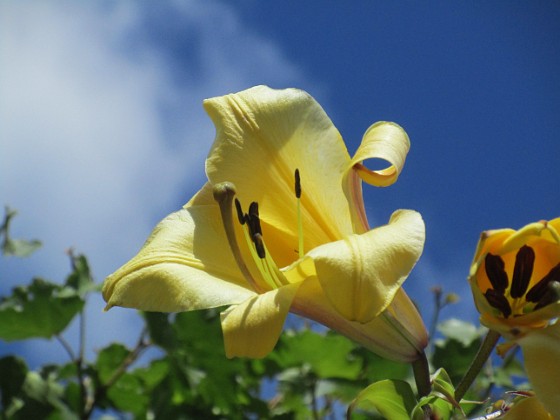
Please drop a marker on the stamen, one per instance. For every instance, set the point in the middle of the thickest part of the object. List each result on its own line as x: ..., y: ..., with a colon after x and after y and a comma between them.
x: 223, y: 194
x: 240, y: 215
x: 253, y: 220
x: 254, y: 238
x: 259, y: 262
x: 298, y: 184
x: 537, y: 292
x: 494, y: 265
x: 498, y: 301
x: 259, y: 245
x: 551, y: 295
x: 274, y: 271
x: 297, y: 187
x: 524, y: 261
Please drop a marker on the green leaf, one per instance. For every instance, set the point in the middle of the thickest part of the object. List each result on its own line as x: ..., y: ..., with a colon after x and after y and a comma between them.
x: 41, y: 399
x: 377, y: 368
x: 393, y: 399
x: 80, y: 279
x: 442, y: 385
x: 160, y: 330
x: 154, y: 373
x: 454, y: 357
x: 15, y: 247
x: 40, y: 310
x: 127, y: 394
x: 19, y: 247
x: 441, y: 400
x: 199, y: 381
x: 328, y: 355
x: 109, y: 360
x: 13, y: 371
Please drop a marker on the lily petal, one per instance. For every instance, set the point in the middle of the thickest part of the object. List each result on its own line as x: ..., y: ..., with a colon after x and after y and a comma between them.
x: 362, y: 273
x: 185, y: 264
x: 543, y: 230
x: 381, y: 335
x: 527, y: 408
x: 384, y: 141
x: 262, y: 137
x: 513, y: 328
x: 403, y: 314
x: 252, y: 328
x: 541, y: 352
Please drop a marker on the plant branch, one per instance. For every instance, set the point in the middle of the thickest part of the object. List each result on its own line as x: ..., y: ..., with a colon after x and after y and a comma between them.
x: 141, y: 345
x: 477, y: 364
x: 67, y: 347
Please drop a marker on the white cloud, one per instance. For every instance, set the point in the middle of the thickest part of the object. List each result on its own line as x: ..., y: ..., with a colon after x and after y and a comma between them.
x: 101, y: 126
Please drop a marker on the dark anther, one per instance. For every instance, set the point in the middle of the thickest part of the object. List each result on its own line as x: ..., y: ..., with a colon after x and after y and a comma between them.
x: 537, y: 292
x: 297, y: 184
x: 240, y: 214
x: 259, y: 245
x: 551, y: 295
x: 253, y: 220
x: 498, y: 301
x: 496, y: 274
x: 524, y: 261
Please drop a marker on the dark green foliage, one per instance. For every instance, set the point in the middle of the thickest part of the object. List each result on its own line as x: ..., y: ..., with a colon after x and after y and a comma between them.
x: 456, y: 352
x: 311, y: 373
x: 13, y: 371
x: 41, y: 309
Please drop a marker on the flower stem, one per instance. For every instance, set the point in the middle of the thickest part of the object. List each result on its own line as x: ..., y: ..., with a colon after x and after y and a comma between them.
x: 421, y: 370
x: 481, y: 357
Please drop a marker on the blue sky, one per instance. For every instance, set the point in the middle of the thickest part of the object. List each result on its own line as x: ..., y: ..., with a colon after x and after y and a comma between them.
x: 102, y: 131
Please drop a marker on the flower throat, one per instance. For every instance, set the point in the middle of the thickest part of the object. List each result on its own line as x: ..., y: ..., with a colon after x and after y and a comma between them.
x: 224, y: 194
x: 520, y: 298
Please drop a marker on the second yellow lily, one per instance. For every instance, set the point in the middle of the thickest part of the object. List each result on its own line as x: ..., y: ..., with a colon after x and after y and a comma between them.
x: 515, y: 280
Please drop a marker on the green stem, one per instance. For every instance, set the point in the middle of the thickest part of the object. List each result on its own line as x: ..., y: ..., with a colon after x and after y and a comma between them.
x: 437, y: 309
x: 67, y: 347
x: 477, y: 364
x: 80, y: 364
x: 421, y: 370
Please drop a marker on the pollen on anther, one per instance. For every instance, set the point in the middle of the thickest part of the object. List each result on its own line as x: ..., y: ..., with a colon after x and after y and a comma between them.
x: 494, y: 267
x: 297, y: 184
x: 259, y: 245
x: 498, y: 301
x: 253, y: 220
x: 536, y: 293
x: 522, y: 271
x: 240, y: 215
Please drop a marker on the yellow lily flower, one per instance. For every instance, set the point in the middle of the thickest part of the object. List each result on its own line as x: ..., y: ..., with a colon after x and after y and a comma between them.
x: 300, y: 241
x: 527, y: 408
x: 515, y: 280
